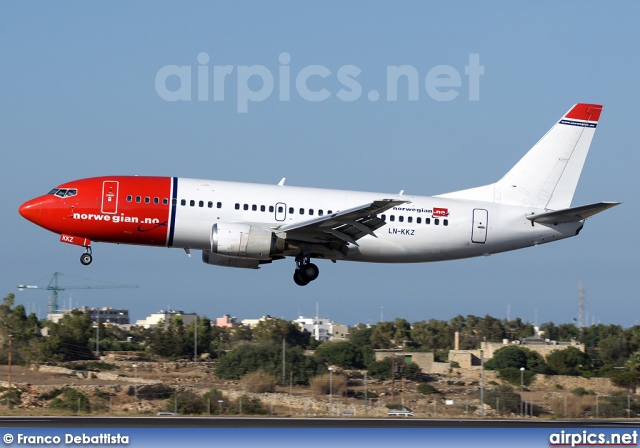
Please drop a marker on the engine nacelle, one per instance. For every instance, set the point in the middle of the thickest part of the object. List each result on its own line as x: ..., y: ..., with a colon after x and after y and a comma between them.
x: 218, y: 260
x: 236, y: 240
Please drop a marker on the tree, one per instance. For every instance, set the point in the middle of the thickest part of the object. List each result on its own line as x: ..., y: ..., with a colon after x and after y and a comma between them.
x: 344, y: 354
x: 267, y: 357
x: 70, y: 337
x: 569, y: 361
x: 275, y: 330
x: 510, y: 359
x: 382, y: 335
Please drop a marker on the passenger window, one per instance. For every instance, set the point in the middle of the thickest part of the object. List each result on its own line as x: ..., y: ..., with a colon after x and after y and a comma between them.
x: 280, y: 209
x: 427, y: 220
x: 245, y: 207
x: 254, y: 207
x: 392, y: 218
x: 320, y: 213
x: 219, y: 205
x: 271, y: 209
x: 302, y: 211
x: 262, y: 208
x: 174, y: 201
x: 165, y: 201
x: 183, y: 202
x: 445, y: 222
x: 201, y: 204
x: 400, y: 218
x: 329, y: 212
x: 237, y: 206
x: 410, y: 219
x: 383, y: 217
x: 419, y: 220
x: 129, y: 198
x: 138, y: 198
x: 156, y: 200
x: 291, y: 210
x: 192, y: 203
x: 436, y: 221
x: 210, y: 204
x: 310, y: 211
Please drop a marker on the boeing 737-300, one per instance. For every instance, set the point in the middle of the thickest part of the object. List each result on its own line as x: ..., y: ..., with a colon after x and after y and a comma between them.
x: 245, y: 225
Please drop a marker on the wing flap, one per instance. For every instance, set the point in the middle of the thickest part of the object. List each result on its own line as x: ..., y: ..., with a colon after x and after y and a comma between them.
x: 573, y: 214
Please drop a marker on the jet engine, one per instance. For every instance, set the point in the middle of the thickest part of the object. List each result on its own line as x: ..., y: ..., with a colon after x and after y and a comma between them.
x: 237, y: 240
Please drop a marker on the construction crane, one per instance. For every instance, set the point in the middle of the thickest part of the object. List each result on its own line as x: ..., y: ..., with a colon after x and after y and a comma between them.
x: 54, y: 287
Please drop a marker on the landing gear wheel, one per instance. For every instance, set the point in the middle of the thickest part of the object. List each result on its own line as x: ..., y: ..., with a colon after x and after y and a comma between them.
x: 86, y: 259
x: 309, y: 271
x: 299, y: 279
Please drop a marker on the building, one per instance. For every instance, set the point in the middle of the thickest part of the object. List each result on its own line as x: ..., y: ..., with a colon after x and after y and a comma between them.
x: 105, y: 315
x: 163, y: 317
x: 225, y: 321
x: 322, y: 329
x: 251, y: 323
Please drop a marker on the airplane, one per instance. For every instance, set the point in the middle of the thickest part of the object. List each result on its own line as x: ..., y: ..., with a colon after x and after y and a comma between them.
x: 246, y: 225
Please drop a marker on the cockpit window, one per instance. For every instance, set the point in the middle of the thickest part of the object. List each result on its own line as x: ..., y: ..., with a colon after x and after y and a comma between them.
x: 64, y: 192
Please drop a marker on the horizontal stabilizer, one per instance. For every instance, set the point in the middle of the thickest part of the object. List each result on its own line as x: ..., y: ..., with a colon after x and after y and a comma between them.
x: 573, y: 214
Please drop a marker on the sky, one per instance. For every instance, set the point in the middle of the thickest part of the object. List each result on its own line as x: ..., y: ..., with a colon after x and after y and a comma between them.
x: 92, y: 89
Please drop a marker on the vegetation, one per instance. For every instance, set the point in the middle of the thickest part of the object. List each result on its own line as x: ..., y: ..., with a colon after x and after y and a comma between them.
x: 611, y: 351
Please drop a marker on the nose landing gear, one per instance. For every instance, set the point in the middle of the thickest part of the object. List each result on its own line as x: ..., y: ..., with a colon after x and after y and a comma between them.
x: 86, y: 258
x: 305, y: 272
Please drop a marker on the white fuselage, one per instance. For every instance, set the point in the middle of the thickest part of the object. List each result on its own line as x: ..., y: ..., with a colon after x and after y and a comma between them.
x: 415, y: 231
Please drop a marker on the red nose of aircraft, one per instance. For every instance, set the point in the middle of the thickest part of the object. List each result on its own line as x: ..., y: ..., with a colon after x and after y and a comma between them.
x: 33, y: 209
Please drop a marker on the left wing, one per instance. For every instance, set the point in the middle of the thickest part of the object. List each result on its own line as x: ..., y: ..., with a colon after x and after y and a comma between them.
x: 347, y: 226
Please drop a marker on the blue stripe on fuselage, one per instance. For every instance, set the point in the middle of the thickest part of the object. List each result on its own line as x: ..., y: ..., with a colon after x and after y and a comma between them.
x: 174, y: 203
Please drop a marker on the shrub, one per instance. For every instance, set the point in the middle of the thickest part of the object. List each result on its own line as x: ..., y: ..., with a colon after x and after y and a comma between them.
x: 320, y: 384
x: 427, y: 389
x: 71, y: 400
x: 259, y: 382
x: 580, y: 391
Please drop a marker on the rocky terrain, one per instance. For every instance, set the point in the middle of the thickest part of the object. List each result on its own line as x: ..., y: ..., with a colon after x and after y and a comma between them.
x: 144, y: 389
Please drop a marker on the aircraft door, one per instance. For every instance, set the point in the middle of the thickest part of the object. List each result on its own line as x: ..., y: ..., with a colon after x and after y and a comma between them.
x: 281, y: 211
x: 109, y: 197
x: 479, y: 226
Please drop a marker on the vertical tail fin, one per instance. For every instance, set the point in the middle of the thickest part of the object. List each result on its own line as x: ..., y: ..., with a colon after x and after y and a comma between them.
x: 547, y: 176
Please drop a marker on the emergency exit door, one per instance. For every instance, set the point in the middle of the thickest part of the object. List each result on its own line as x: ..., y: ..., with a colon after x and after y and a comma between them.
x: 109, y: 197
x: 480, y: 226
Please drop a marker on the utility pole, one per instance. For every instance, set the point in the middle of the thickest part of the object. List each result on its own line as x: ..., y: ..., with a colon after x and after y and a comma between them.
x: 366, y: 396
x: 9, y: 373
x: 482, y: 383
x: 282, y: 380
x: 98, y: 334
x: 404, y: 345
x: 195, y: 341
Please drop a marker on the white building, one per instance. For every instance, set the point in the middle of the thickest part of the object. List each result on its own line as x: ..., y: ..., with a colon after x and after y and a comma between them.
x: 251, y: 323
x: 163, y: 316
x: 322, y: 329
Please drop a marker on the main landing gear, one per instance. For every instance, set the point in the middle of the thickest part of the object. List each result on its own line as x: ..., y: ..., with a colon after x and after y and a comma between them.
x: 86, y: 258
x: 305, y: 272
